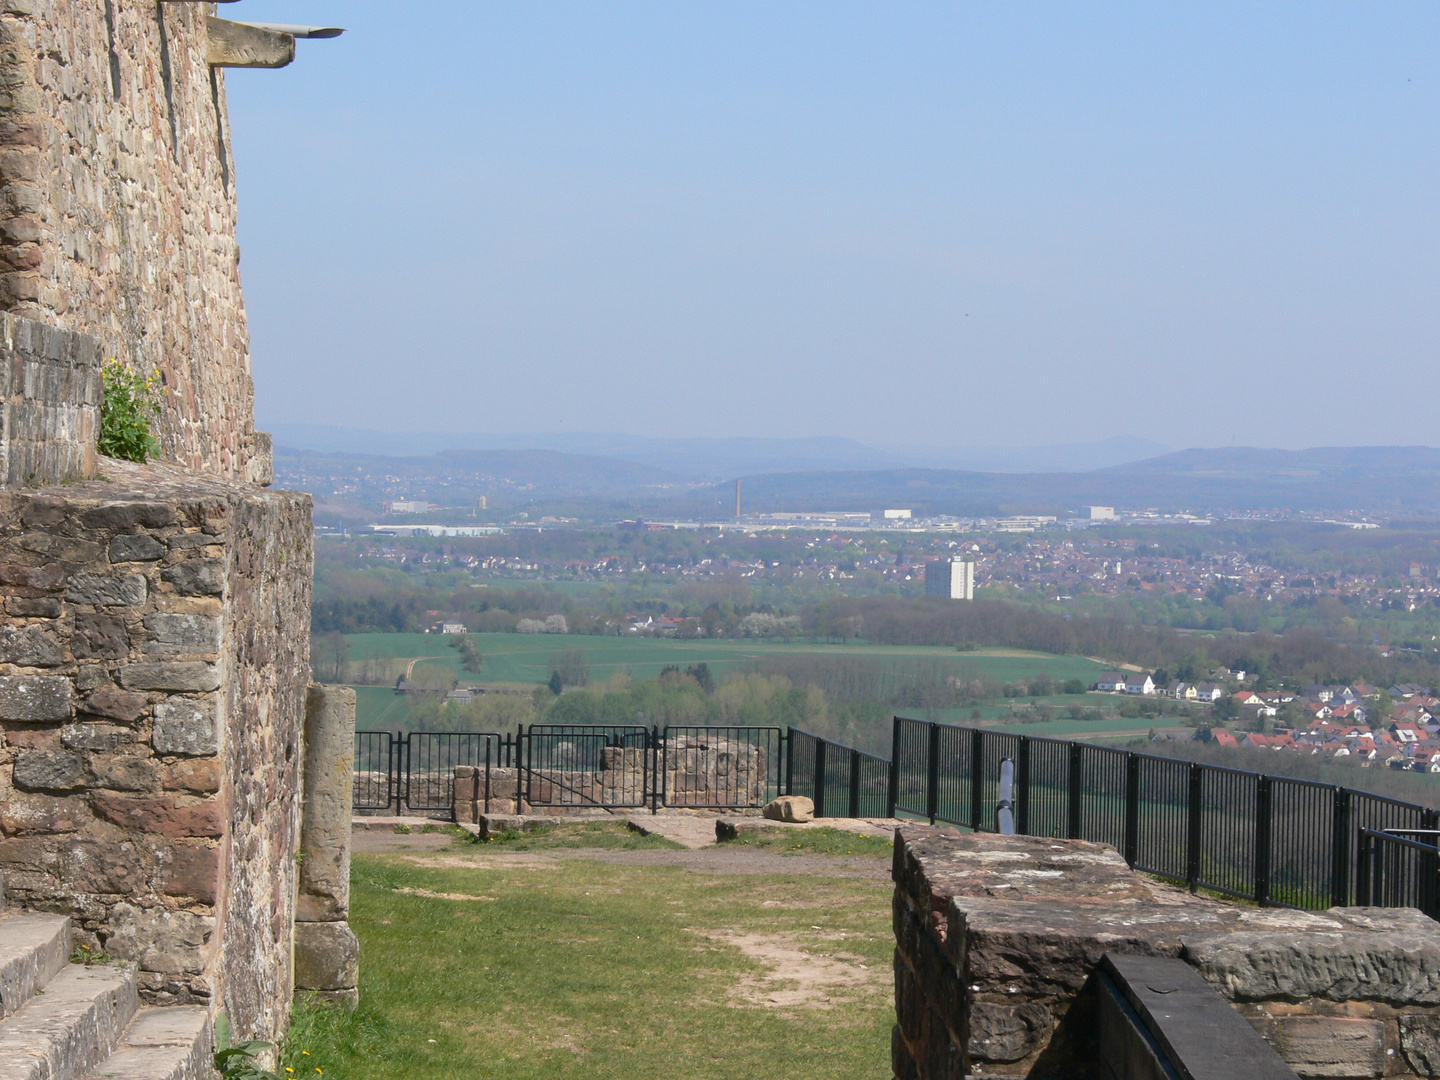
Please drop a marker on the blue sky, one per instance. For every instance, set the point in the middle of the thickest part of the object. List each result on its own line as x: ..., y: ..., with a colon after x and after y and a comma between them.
x: 947, y: 224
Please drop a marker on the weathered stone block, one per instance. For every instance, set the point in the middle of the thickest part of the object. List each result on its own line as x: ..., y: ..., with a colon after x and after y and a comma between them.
x: 171, y: 942
x: 200, y: 775
x: 197, y: 577
x: 1331, y: 1046
x: 176, y: 675
x: 36, y: 580
x: 162, y: 816
x: 114, y: 704
x: 35, y: 697
x: 182, y: 633
x: 94, y: 736
x: 42, y: 770
x: 186, y: 727
x: 99, y: 636
x: 325, y: 815
x: 135, y: 547
x: 119, y: 517
x: 36, y: 607
x: 21, y: 813
x: 125, y: 772
x: 327, y: 956
x: 1393, y: 964
x: 793, y: 808
x: 192, y: 872
x: 107, y: 590
x: 1420, y: 1040
x: 1006, y: 1033
x: 29, y: 646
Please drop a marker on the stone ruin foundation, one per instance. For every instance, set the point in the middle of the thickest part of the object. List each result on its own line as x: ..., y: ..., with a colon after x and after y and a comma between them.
x: 997, y: 939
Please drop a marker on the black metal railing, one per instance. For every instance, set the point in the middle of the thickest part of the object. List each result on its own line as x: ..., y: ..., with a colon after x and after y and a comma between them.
x: 415, y: 772
x: 840, y: 780
x: 720, y: 767
x: 1270, y: 839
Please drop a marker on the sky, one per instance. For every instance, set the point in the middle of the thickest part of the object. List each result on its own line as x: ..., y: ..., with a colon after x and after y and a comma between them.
x: 944, y: 224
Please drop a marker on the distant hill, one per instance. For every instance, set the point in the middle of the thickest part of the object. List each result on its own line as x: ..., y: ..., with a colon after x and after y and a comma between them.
x: 722, y: 458
x: 1376, y: 480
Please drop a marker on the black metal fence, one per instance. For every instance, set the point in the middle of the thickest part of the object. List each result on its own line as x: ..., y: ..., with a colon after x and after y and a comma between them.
x: 1269, y: 839
x: 840, y: 780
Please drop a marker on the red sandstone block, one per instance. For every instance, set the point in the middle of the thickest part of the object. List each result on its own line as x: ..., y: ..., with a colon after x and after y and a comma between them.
x: 161, y: 816
x: 191, y: 872
x: 193, y: 774
x: 45, y: 578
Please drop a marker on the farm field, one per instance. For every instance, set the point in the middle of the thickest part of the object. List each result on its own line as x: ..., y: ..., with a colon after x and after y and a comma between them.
x: 525, y: 658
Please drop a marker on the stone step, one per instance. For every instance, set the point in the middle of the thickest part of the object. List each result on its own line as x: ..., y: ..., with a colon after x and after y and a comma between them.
x: 33, y: 950
x: 171, y: 1043
x: 71, y: 1026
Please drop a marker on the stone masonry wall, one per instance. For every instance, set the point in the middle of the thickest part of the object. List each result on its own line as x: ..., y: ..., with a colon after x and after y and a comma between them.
x: 117, y: 206
x: 153, y: 671
x: 997, y: 938
x: 50, y: 392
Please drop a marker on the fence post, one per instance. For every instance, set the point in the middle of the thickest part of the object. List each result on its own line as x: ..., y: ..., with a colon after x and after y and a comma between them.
x: 1195, y: 814
x: 977, y: 779
x: 487, y: 774
x: 932, y: 774
x: 1340, y: 850
x: 1132, y: 808
x: 1364, y: 889
x: 854, y: 783
x: 661, y: 765
x: 1072, y: 818
x: 1263, y: 819
x: 819, y: 778
x: 1022, y: 786
x: 789, y: 762
x: 892, y: 793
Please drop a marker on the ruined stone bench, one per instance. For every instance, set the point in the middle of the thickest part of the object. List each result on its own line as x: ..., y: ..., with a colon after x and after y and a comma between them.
x: 998, y: 936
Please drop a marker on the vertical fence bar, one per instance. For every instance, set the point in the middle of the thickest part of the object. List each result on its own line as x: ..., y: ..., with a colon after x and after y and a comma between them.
x: 1132, y: 808
x: 977, y: 779
x: 932, y: 775
x: 1363, y: 897
x: 1022, y: 786
x: 1077, y: 791
x: 1340, y: 850
x: 1263, y: 828
x: 819, y: 778
x: 789, y: 761
x: 892, y: 791
x: 1195, y: 811
x: 854, y: 783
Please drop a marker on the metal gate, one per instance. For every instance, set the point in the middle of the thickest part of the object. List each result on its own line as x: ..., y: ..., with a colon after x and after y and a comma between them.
x: 587, y: 765
x: 415, y: 772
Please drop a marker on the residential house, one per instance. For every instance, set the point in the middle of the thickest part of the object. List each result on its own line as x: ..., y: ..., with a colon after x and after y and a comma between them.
x: 1139, y: 683
x: 1182, y: 691
x: 1209, y: 691
x: 1113, y: 681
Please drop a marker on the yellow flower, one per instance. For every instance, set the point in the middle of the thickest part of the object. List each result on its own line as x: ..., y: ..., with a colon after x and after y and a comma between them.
x: 306, y: 1053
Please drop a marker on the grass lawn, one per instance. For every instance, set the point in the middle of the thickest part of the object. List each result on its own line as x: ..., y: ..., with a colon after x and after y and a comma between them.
x: 530, y: 958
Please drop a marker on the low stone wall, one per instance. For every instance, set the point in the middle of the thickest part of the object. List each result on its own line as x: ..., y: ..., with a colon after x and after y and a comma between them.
x: 153, y: 673
x: 997, y: 939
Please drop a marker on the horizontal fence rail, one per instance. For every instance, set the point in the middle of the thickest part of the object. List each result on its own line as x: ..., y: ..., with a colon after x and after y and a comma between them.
x: 1270, y: 839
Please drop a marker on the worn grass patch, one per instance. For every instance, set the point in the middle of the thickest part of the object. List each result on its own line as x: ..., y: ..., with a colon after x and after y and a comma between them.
x: 604, y: 835
x: 594, y: 970
x: 821, y: 841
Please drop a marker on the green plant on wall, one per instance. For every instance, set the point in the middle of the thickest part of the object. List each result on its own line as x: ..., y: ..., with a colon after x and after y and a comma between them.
x: 128, y: 412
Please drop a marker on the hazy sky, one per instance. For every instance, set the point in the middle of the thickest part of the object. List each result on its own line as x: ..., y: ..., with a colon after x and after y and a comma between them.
x: 901, y: 222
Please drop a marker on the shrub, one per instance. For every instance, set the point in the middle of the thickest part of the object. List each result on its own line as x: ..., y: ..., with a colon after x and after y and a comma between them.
x: 129, y: 409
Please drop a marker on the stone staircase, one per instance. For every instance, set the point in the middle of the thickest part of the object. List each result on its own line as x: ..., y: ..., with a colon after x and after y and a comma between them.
x: 64, y: 1021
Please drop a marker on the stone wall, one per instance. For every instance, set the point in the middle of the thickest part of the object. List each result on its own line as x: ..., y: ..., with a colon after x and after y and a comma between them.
x: 153, y: 671
x: 117, y: 206
x: 50, y: 392
x: 997, y: 940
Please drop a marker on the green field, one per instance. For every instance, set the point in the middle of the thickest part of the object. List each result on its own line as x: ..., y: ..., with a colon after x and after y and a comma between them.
x: 526, y: 658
